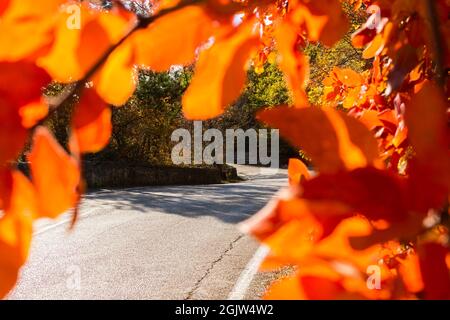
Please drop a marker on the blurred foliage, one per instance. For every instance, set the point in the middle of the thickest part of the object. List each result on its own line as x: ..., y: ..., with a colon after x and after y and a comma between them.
x: 342, y: 55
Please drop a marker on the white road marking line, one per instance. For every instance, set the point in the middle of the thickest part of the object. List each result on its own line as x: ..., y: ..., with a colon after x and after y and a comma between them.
x: 65, y: 221
x: 246, y: 277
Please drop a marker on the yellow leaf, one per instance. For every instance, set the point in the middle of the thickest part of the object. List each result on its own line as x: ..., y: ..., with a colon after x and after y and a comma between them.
x: 116, y: 80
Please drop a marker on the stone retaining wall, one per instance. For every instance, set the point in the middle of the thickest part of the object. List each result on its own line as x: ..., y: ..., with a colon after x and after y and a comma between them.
x: 116, y: 175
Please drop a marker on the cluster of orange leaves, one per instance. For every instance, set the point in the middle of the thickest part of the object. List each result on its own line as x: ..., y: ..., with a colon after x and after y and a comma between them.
x: 380, y: 198
x: 356, y: 212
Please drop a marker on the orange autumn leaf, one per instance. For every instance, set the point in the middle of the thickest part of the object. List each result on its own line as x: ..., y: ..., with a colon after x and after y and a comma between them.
x: 23, y: 18
x: 101, y: 31
x: 63, y: 48
x: 400, y: 136
x: 297, y: 171
x: 405, y: 230
x: 337, y: 246
x: 116, y: 80
x: 373, y: 26
x: 174, y: 38
x: 378, y: 43
x: 33, y: 112
x: 317, y: 281
x: 81, y: 48
x: 165, y: 4
x: 15, y: 238
x: 294, y: 239
x: 371, y: 119
x: 55, y: 175
x: 220, y: 75
x: 93, y: 41
x: 336, y: 24
x: 333, y: 140
x: 291, y: 226
x: 91, y: 123
x: 324, y: 20
x: 374, y: 48
x: 344, y: 85
x: 363, y: 36
x: 293, y: 63
x: 17, y: 200
x: 17, y: 194
x: 268, y: 219
x: 348, y: 77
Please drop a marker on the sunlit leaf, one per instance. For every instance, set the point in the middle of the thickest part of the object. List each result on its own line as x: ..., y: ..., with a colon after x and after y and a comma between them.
x: 174, y: 38
x: 219, y: 76
x: 333, y: 140
x: 17, y: 200
x: 91, y: 123
x: 55, y: 175
x: 297, y: 171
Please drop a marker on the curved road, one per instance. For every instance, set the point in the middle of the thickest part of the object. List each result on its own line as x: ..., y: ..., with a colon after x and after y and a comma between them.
x: 175, y: 242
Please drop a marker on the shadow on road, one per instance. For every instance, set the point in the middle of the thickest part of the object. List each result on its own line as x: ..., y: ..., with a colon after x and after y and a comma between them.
x: 231, y: 203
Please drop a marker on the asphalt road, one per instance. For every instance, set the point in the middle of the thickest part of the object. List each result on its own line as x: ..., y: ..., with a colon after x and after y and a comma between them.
x: 177, y: 242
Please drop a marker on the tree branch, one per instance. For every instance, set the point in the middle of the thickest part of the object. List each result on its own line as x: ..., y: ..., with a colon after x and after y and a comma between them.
x: 78, y: 86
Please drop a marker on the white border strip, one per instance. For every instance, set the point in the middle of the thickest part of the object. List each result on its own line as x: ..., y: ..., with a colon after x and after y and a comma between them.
x: 247, y: 275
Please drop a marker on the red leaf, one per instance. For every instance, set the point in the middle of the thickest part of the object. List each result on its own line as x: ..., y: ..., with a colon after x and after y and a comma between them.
x: 377, y: 194
x: 435, y: 274
x: 426, y: 118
